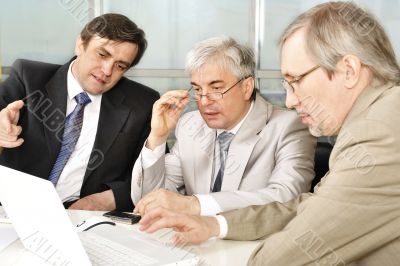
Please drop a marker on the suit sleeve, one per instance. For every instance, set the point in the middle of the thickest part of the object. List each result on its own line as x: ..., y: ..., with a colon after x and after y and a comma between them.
x: 146, y: 180
x: 12, y: 89
x: 166, y: 172
x: 122, y: 189
x: 354, y: 211
x: 292, y: 173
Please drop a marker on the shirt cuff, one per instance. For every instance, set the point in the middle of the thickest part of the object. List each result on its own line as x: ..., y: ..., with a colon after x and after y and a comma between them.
x: 223, y: 226
x: 208, y: 205
x: 150, y: 157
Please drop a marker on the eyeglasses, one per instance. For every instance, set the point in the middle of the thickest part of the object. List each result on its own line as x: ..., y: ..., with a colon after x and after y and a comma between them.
x: 212, y: 96
x: 288, y: 84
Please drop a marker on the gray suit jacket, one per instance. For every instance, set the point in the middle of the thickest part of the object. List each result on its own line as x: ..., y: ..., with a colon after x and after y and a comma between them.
x: 353, y: 218
x: 271, y: 158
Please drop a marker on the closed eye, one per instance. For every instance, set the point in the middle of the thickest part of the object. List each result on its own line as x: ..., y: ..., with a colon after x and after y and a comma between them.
x: 122, y: 67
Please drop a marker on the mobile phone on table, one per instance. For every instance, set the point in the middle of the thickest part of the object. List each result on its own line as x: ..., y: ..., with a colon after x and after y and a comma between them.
x: 123, y: 217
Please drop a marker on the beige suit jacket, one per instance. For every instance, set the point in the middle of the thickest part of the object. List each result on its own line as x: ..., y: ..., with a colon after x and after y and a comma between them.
x: 353, y: 218
x: 271, y: 158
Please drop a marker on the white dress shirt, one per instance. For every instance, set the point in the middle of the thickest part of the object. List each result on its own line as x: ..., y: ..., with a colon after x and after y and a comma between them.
x: 223, y: 226
x: 71, y: 179
x: 208, y: 205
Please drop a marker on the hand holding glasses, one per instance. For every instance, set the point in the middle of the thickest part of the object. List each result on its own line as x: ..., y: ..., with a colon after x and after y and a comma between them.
x: 166, y: 113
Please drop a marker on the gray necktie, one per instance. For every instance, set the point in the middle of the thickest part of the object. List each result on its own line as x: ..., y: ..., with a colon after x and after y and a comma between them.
x: 72, y: 131
x: 224, y: 140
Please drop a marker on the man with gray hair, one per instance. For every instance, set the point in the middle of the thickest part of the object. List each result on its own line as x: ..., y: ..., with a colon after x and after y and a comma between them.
x: 341, y: 76
x: 236, y: 150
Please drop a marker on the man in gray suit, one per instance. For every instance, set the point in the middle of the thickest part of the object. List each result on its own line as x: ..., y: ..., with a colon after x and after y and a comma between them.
x: 236, y: 150
x: 341, y: 75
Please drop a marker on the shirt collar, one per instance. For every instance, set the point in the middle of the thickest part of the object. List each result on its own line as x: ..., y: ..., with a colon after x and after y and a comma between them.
x: 236, y: 128
x: 74, y: 88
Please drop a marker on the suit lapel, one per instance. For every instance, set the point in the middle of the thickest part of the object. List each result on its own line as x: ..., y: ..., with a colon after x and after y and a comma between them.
x: 203, y: 153
x: 54, y: 103
x: 243, y: 144
x: 113, y: 114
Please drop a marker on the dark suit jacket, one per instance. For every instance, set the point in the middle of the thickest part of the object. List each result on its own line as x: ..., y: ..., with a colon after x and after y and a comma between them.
x: 124, y: 124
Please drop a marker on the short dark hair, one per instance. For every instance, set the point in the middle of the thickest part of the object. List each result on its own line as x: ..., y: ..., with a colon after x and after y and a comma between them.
x: 115, y: 27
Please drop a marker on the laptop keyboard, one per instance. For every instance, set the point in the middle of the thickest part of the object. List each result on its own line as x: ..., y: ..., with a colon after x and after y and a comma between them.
x: 102, y: 251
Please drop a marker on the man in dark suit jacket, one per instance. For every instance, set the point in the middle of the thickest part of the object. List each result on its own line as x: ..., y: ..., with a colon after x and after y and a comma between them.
x: 97, y: 175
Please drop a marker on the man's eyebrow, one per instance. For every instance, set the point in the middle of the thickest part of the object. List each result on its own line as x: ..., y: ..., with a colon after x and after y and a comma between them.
x: 104, y: 51
x: 211, y: 83
x: 216, y: 81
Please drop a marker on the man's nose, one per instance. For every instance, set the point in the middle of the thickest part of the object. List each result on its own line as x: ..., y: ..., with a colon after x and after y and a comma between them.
x: 291, y: 100
x: 107, y: 67
x: 204, y: 101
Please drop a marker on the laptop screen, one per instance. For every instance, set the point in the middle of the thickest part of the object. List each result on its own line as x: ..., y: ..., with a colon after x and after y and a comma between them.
x: 45, y: 228
x: 39, y: 218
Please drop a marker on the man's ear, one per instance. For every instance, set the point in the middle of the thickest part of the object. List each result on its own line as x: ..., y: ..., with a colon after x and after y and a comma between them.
x: 248, y: 85
x: 352, y: 69
x: 79, y: 47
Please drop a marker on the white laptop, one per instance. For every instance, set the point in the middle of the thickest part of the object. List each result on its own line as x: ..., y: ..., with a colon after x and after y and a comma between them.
x: 33, y: 206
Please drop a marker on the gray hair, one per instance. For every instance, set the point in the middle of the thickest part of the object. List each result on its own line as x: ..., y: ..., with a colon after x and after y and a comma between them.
x: 225, y: 52
x: 336, y: 29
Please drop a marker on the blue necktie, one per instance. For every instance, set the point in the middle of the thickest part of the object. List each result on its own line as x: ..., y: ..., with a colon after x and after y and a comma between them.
x: 224, y: 140
x: 72, y: 130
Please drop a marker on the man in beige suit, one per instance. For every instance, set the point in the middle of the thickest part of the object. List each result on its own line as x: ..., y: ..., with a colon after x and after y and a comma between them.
x: 270, y: 156
x: 341, y: 75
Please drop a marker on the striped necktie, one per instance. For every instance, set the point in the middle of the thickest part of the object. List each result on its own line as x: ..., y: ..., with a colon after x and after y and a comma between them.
x: 72, y: 130
x: 224, y: 140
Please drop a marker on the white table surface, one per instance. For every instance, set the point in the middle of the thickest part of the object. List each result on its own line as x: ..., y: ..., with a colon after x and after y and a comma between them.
x: 213, y: 252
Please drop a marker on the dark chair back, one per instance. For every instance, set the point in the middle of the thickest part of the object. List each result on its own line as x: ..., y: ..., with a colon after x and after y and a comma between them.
x: 321, y: 160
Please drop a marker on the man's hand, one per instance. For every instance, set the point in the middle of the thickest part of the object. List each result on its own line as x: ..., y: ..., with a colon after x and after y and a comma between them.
x: 168, y: 200
x: 166, y: 112
x: 9, y: 131
x: 103, y: 201
x: 191, y: 228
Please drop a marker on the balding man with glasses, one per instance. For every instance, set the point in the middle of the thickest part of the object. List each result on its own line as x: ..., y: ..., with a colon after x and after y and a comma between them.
x: 236, y: 150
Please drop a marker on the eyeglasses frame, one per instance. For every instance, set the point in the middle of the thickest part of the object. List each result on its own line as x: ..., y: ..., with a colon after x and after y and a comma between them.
x: 288, y: 84
x: 216, y: 93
